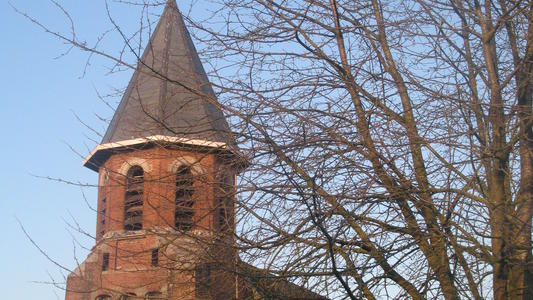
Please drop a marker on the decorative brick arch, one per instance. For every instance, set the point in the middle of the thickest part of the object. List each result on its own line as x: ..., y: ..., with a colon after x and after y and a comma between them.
x: 104, y: 176
x: 135, y: 161
x: 196, y: 168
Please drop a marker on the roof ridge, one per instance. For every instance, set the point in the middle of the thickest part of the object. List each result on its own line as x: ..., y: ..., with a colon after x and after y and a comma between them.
x: 140, y: 63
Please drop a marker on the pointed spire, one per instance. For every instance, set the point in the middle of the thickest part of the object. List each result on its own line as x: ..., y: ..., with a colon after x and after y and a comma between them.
x: 169, y: 93
x: 168, y: 99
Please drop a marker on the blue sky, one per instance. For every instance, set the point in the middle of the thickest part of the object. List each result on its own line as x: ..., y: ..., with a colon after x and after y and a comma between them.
x: 41, y: 97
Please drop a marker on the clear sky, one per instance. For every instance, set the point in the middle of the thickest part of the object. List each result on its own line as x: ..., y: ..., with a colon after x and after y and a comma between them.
x: 41, y: 97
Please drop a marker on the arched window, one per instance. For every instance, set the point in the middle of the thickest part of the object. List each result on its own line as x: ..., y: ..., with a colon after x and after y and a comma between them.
x: 183, y: 217
x: 128, y: 296
x: 154, y: 295
x: 103, y: 297
x: 133, y: 206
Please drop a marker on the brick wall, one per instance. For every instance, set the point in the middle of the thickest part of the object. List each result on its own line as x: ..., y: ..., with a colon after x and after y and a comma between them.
x: 129, y: 267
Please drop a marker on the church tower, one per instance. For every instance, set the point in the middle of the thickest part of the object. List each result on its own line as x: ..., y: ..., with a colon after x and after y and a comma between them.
x: 166, y: 180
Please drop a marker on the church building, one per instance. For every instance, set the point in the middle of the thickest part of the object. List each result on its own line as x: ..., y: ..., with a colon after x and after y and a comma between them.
x: 166, y: 202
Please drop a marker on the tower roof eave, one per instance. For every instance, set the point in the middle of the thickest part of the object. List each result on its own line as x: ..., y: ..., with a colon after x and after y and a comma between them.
x: 101, y: 152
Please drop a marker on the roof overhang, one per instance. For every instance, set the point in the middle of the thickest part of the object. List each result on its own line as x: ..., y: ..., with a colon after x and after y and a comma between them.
x: 101, y: 152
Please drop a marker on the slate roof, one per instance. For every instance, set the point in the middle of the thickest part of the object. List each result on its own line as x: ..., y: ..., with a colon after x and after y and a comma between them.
x: 273, y: 287
x: 169, y: 93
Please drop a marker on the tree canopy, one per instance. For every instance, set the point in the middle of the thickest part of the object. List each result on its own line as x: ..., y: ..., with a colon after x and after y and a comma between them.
x: 390, y: 143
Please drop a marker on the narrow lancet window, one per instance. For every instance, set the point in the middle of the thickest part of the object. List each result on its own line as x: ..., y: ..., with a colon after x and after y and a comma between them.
x: 183, y: 217
x: 133, y: 206
x: 225, y: 197
x: 155, y: 257
x: 105, y: 261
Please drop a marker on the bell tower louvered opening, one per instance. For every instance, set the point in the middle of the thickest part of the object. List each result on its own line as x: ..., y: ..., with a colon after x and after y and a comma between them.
x: 133, y: 204
x: 184, y: 214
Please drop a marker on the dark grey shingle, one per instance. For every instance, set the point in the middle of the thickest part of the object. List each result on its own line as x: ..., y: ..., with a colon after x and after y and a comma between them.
x: 169, y: 93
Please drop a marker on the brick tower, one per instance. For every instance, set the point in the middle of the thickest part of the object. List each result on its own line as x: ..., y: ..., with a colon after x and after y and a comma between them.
x: 166, y: 180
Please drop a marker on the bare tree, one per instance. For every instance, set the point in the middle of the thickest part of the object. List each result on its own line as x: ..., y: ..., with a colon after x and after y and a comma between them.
x: 390, y: 143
